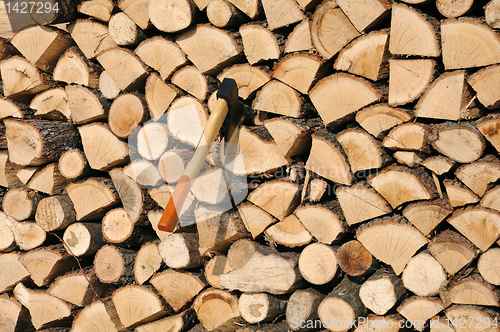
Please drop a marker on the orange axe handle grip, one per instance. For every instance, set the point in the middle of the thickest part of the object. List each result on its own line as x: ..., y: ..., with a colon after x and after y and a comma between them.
x: 170, y: 217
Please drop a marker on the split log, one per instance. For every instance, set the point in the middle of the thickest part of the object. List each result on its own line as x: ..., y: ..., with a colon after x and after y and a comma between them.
x: 381, y: 292
x: 9, y: 171
x: 461, y: 143
x: 175, y: 323
x: 37, y: 303
x: 250, y: 8
x: 303, y: 307
x: 73, y: 67
x: 259, y: 44
x: 478, y: 45
x: 365, y: 14
x: 488, y: 266
x: 91, y: 37
x: 52, y: 104
x: 48, y: 180
x: 380, y: 118
x: 208, y: 60
x: 137, y: 304
x: 473, y: 221
x: 412, y: 33
x: 223, y: 14
x: 47, y: 263
x: 21, y: 79
x: 152, y: 140
x: 42, y: 46
x: 218, y: 301
x: 94, y: 316
x: 25, y: 174
x: 289, y: 232
x: 159, y: 95
x: 458, y: 194
x: 162, y: 55
x: 190, y: 79
x: 248, y: 78
x: 183, y: 110
x: 126, y: 113
x: 79, y: 288
x: 408, y: 136
x: 300, y: 38
x: 404, y: 239
x: 419, y: 310
x: 7, y: 240
x: 409, y: 158
x: 355, y: 260
x: 102, y: 148
x: 408, y: 78
x: 488, y: 127
x: 472, y: 290
x: 83, y: 239
x: 318, y: 263
x: 334, y: 104
x: 10, y: 108
x: 92, y: 197
x: 177, y: 288
x: 314, y: 188
x: 147, y: 262
x: 137, y: 10
x: 469, y: 315
x: 426, y: 216
x: 299, y: 70
x: 12, y: 272
x: 491, y: 14
x: 171, y: 16
x: 479, y: 176
x: 186, y: 249
x: 329, y: 17
x: 277, y: 197
x: 107, y: 86
x: 98, y: 9
x: 73, y: 164
x: 399, y: 184
x: 342, y: 306
x: 256, y: 220
x: 279, y: 98
x: 86, y: 105
x: 20, y: 204
x: 27, y: 235
x: 114, y: 265
x: 115, y: 60
x: 124, y: 31
x: 55, y: 213
x: 438, y: 164
x: 144, y: 172
x: 260, y: 307
x: 491, y: 199
x: 324, y: 221
x: 281, y: 13
x: 366, y: 56
x: 423, y: 275
x: 327, y: 158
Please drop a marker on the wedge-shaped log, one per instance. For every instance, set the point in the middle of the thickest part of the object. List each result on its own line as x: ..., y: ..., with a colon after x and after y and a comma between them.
x: 52, y: 104
x: 27, y: 234
x: 250, y: 8
x: 94, y: 316
x: 289, y: 232
x: 458, y: 194
x: 364, y: 14
x: 7, y: 241
x: 419, y: 310
x: 73, y: 67
x: 21, y: 79
x: 279, y: 98
x: 184, y: 110
x: 189, y: 79
x: 452, y: 250
x: 402, y: 238
x: 259, y: 44
x: 488, y: 127
x: 86, y: 105
x: 438, y: 164
x: 472, y: 290
x: 408, y: 78
x: 479, y: 175
x: 256, y: 220
x: 147, y: 262
x: 300, y: 38
x: 91, y: 37
x: 159, y: 95
x: 381, y: 291
x: 98, y: 9
x: 293, y: 136
x: 491, y: 199
x: 137, y: 10
x: 48, y: 180
x: 79, y: 288
x: 299, y: 70
x: 92, y: 197
x: 461, y: 143
x: 12, y: 271
x: 124, y: 67
x: 277, y: 197
x: 175, y: 323
x: 426, y: 216
x: 355, y: 260
x: 469, y: 314
x: 281, y: 13
x: 378, y: 119
x: 248, y: 78
x: 324, y: 221
x: 162, y: 55
x: 488, y: 266
x: 215, y: 300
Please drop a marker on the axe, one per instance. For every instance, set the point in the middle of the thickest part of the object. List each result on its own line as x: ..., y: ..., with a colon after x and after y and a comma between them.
x: 228, y: 111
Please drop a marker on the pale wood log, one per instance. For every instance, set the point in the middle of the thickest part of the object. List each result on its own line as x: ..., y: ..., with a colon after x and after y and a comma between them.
x: 289, y: 232
x: 92, y: 197
x: 279, y: 98
x: 409, y: 158
x: 175, y: 323
x: 137, y: 304
x: 48, y: 180
x: 480, y: 175
x: 491, y: 14
x: 183, y: 110
x: 218, y: 301
x: 329, y: 17
x: 412, y: 184
x: 327, y: 158
x: 426, y: 216
x: 21, y: 203
x: 98, y: 9
x: 468, y: 314
x: 86, y: 105
x: 144, y: 172
x: 172, y: 163
x: 354, y: 259
x: 83, y: 239
x: 343, y: 305
x: 488, y: 266
x: 52, y: 104
x: 216, y: 266
x: 248, y: 78
x: 324, y: 221
x: 159, y: 95
x: 423, y: 275
x: 491, y: 199
x: 13, y: 316
x: 314, y: 188
x: 55, y: 213
x: 102, y: 149
x: 478, y: 224
x: 260, y: 307
x: 366, y: 56
x: 12, y: 272
x: 7, y: 239
x: 189, y: 79
x: 250, y: 8
x: 222, y: 14
x: 91, y: 37
x: 300, y: 38
x: 318, y: 263
x: 378, y: 119
x: 171, y: 16
x: 73, y: 67
x: 37, y: 303
x: 472, y: 290
x: 461, y: 143
x: 47, y: 263
x: 438, y: 164
x: 162, y: 55
x: 152, y: 140
x: 137, y: 10
x: 299, y: 70
x: 79, y: 288
x: 482, y: 81
x: 108, y: 86
x: 114, y: 265
x: 458, y: 194
x: 209, y: 60
x: 419, y: 310
x: 10, y: 108
x: 281, y: 13
x: 27, y: 235
x: 404, y: 239
x: 73, y: 164
x: 277, y: 197
x: 42, y: 46
x: 256, y: 220
x: 118, y: 228
x: 126, y: 113
x: 124, y: 31
x: 177, y: 288
x: 115, y: 60
x: 21, y: 79
x: 25, y: 174
x: 381, y: 291
x: 334, y: 104
x: 147, y: 262
x: 408, y: 78
x: 94, y: 317
x: 181, y: 251
x: 412, y: 33
x: 364, y: 14
x: 303, y: 307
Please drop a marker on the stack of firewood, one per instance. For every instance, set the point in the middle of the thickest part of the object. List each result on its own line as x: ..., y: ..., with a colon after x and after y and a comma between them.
x: 369, y: 151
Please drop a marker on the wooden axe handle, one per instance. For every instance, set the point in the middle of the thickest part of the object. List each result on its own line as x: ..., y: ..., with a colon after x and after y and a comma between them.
x: 170, y: 217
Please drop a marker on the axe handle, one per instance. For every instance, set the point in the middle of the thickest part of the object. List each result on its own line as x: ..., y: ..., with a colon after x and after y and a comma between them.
x: 170, y: 217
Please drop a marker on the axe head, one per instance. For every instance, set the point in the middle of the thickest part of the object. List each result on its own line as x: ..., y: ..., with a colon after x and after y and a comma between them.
x: 228, y: 90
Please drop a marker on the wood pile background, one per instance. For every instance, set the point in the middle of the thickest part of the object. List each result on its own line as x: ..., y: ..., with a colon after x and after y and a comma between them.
x: 370, y: 155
